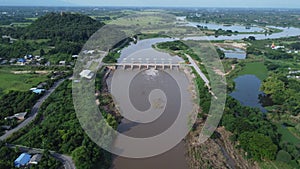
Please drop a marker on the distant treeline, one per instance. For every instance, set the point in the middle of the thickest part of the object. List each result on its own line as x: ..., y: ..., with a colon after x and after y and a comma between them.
x: 64, y: 32
x: 57, y: 26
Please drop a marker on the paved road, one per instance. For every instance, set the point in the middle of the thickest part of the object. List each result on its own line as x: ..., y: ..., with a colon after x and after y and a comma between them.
x: 201, y: 74
x: 66, y: 160
x: 34, y: 111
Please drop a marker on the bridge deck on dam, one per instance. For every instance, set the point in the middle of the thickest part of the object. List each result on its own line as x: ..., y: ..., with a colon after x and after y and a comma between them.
x: 146, y: 63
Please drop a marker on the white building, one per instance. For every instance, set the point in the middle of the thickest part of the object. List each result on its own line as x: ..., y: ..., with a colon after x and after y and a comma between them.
x: 62, y: 63
x: 87, y: 74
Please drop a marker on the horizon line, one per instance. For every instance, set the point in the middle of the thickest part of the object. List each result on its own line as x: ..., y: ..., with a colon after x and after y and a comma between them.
x: 96, y: 6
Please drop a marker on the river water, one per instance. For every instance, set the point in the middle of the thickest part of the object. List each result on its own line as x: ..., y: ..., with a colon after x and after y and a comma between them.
x: 247, y: 92
x: 286, y: 32
x: 239, y: 28
x: 143, y: 83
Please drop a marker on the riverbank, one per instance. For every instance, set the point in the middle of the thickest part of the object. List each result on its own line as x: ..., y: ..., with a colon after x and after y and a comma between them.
x: 217, y: 152
x: 104, y: 99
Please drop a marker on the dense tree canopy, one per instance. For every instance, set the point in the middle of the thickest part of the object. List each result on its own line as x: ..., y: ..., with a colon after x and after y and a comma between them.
x: 258, y: 145
x: 15, y: 102
x: 63, y: 33
x: 250, y: 127
x: 295, y: 45
x: 274, y: 87
x: 283, y: 92
x: 64, y: 26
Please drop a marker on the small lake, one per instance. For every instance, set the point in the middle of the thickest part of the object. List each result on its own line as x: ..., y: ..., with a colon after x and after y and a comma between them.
x: 234, y: 53
x: 247, y: 91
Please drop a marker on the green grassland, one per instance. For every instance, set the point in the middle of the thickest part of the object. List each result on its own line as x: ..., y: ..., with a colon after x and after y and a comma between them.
x: 275, y: 165
x: 287, y: 136
x: 31, y: 19
x: 256, y: 68
x: 19, y: 82
x: 153, y: 23
x: 143, y: 20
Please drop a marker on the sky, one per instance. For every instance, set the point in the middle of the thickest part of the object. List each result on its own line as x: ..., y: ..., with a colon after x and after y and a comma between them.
x: 159, y: 3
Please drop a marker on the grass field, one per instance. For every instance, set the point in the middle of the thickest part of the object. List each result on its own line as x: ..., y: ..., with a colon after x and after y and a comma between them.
x: 32, y: 19
x: 295, y: 132
x: 256, y: 68
x: 152, y: 23
x: 287, y: 135
x: 274, y: 165
x: 20, y: 82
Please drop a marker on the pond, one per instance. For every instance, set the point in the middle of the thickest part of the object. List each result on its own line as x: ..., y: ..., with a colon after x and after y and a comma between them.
x: 247, y: 91
x: 234, y: 53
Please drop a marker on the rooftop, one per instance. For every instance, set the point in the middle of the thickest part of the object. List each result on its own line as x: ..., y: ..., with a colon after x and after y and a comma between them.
x: 22, y: 160
x: 35, y: 159
x: 38, y: 91
x: 87, y: 74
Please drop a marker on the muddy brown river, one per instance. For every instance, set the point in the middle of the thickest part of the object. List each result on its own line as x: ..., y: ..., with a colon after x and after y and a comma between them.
x: 175, y: 96
x: 151, y: 91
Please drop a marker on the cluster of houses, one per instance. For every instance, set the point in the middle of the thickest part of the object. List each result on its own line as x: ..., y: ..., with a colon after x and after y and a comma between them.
x: 27, y: 59
x: 9, y: 38
x: 21, y: 116
x: 38, y: 60
x: 294, y: 74
x: 26, y: 159
x: 31, y: 60
x: 275, y: 47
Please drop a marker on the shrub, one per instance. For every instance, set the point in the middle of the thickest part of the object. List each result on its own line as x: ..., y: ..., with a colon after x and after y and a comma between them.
x: 283, y: 156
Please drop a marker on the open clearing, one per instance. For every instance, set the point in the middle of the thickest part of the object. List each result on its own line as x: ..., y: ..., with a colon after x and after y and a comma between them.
x: 20, y: 82
x: 255, y: 68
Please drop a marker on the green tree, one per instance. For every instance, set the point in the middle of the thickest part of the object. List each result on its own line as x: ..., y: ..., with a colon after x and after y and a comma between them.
x: 82, y: 160
x: 42, y: 52
x: 275, y: 88
x: 283, y: 156
x: 258, y: 145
